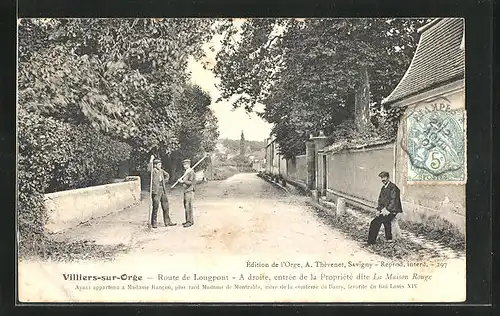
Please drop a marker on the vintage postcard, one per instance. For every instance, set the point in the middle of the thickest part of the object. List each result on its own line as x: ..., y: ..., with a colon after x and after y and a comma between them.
x: 204, y: 160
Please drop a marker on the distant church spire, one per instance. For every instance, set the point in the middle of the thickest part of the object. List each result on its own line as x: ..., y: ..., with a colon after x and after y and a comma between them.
x: 242, y: 144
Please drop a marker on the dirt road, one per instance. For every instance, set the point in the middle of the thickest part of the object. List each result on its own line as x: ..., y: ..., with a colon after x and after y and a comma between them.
x: 238, y: 221
x: 240, y: 215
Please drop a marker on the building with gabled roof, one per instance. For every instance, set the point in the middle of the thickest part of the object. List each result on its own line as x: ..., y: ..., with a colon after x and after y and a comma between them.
x: 430, y: 151
x: 439, y: 61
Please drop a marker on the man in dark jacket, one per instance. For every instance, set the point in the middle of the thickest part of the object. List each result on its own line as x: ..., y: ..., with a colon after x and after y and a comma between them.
x: 389, y: 204
x: 159, y: 194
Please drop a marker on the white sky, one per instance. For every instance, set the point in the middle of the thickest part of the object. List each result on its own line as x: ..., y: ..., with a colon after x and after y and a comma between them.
x: 231, y: 122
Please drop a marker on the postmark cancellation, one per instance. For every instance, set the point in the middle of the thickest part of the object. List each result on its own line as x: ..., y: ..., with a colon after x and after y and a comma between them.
x: 435, y: 143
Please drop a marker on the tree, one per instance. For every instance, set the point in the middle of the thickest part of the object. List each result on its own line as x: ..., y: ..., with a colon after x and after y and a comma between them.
x: 196, y: 127
x: 122, y: 76
x: 305, y: 72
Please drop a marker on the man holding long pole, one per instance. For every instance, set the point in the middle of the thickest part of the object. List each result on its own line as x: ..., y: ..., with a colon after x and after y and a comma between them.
x: 188, y: 181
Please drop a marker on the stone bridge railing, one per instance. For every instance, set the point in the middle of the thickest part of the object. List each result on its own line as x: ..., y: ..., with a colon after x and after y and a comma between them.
x: 69, y: 208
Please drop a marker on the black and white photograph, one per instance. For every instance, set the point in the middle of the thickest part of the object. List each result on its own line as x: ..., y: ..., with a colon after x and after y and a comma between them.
x: 219, y: 160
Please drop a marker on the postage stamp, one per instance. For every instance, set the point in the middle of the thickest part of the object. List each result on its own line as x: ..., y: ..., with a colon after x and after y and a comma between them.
x: 435, y: 143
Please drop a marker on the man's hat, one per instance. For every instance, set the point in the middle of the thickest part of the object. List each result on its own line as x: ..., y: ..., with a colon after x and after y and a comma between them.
x: 384, y: 174
x: 156, y: 161
x: 186, y: 161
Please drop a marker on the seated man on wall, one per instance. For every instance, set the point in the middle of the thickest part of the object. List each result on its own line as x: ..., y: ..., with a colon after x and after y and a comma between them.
x: 389, y: 205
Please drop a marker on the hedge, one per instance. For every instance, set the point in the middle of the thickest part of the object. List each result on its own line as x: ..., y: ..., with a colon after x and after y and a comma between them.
x: 54, y: 156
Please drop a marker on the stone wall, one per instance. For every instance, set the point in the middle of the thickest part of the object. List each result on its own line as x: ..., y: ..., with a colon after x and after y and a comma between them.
x: 69, y: 208
x: 297, y: 169
x: 355, y: 172
x: 301, y: 168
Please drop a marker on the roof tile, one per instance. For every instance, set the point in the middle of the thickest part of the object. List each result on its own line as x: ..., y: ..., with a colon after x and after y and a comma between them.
x: 437, y: 60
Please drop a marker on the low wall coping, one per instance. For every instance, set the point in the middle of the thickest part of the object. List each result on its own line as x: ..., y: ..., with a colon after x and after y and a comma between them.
x: 296, y: 183
x: 92, y: 188
x: 353, y: 198
x: 67, y: 209
x: 358, y: 148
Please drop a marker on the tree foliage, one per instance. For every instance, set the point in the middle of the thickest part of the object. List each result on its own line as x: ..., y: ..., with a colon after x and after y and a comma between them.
x: 305, y: 72
x: 54, y: 156
x: 197, y: 126
x: 122, y: 76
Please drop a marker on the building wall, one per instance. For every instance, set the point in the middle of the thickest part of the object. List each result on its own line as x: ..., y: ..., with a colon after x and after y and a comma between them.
x: 421, y: 200
x: 274, y: 162
x: 257, y: 166
x: 269, y: 158
x: 355, y: 172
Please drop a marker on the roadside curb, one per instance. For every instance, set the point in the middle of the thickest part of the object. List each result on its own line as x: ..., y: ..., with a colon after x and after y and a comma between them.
x: 272, y: 182
x: 321, y: 207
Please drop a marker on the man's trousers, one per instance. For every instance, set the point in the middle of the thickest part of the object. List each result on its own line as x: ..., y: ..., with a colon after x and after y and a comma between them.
x: 375, y: 227
x: 188, y: 206
x: 160, y: 198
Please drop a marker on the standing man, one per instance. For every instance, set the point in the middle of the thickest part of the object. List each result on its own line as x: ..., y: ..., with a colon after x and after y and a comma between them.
x: 188, y: 181
x: 389, y: 204
x: 159, y: 194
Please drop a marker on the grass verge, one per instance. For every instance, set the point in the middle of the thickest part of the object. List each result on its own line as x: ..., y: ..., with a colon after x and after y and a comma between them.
x: 46, y: 248
x: 357, y: 230
x: 437, y: 229
x: 433, y: 228
x: 224, y: 172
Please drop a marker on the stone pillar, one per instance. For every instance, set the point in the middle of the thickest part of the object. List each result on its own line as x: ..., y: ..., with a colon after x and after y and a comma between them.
x: 340, y: 206
x: 319, y: 143
x: 310, y: 160
x: 279, y: 165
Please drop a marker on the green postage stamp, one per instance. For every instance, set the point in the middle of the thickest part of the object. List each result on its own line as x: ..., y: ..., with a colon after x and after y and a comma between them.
x: 435, y: 144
